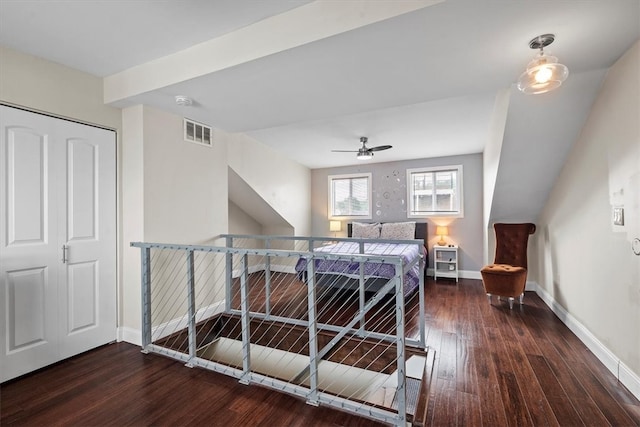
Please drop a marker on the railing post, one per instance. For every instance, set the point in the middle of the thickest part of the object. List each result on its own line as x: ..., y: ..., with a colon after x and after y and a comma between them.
x: 146, y: 297
x: 228, y: 275
x: 244, y: 306
x: 313, y: 334
x: 361, y: 295
x: 422, y: 326
x: 191, y: 303
x: 267, y: 279
x: 401, y: 393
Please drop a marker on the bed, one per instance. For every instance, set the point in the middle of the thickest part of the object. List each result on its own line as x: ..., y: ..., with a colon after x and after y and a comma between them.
x: 343, y: 274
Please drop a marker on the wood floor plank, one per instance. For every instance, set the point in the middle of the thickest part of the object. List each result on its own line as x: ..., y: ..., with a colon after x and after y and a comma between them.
x: 445, y: 411
x: 493, y: 367
x: 513, y: 401
x: 609, y: 407
x: 534, y: 396
x: 633, y: 411
x: 468, y: 409
x: 447, y: 366
x: 492, y: 410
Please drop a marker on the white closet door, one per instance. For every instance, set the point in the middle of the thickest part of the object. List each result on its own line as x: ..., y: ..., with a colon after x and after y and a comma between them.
x: 58, y: 188
x: 28, y: 253
x: 87, y: 226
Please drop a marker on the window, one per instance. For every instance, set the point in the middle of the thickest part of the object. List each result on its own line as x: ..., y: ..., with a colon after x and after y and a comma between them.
x: 435, y: 191
x: 350, y: 196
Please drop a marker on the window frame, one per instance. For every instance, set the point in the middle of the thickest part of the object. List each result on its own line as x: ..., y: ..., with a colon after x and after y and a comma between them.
x: 369, y: 178
x: 432, y: 214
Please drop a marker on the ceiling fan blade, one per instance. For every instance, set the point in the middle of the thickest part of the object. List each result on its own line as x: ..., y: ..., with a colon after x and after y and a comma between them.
x: 380, y: 148
x: 344, y: 151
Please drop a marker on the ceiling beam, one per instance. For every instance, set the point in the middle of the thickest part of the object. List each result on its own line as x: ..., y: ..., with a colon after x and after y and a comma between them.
x: 305, y: 24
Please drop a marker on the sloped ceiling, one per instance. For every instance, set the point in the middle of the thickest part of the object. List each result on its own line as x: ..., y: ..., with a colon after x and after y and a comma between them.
x: 538, y: 136
x: 307, y: 77
x: 246, y: 198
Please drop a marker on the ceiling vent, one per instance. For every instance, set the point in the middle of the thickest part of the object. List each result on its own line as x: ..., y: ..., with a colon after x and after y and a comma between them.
x: 198, y: 133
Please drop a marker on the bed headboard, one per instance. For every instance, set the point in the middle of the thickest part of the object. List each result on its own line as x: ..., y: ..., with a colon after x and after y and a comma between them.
x: 421, y: 231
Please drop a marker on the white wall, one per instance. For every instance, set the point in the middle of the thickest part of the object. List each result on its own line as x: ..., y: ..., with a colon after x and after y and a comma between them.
x: 132, y: 223
x: 241, y: 223
x: 41, y: 85
x: 185, y: 184
x: 586, y: 268
x: 490, y: 165
x: 177, y: 191
x: 281, y: 182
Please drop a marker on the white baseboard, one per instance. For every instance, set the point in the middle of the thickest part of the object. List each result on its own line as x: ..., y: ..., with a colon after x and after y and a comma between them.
x: 470, y: 274
x: 130, y: 335
x: 134, y: 336
x: 463, y: 274
x: 168, y: 328
x: 622, y: 372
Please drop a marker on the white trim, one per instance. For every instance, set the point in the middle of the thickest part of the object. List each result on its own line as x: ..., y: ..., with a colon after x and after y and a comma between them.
x: 621, y: 371
x: 531, y: 286
x: 174, y: 325
x: 462, y: 274
x: 134, y: 336
x: 470, y: 274
x: 434, y: 214
x: 369, y: 177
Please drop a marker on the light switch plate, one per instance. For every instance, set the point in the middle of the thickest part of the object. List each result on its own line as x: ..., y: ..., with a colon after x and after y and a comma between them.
x: 618, y: 216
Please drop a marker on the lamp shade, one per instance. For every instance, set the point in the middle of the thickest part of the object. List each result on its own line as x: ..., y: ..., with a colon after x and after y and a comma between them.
x: 442, y: 231
x: 335, y: 226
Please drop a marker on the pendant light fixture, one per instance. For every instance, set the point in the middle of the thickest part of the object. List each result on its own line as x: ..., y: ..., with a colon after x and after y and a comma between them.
x: 543, y: 73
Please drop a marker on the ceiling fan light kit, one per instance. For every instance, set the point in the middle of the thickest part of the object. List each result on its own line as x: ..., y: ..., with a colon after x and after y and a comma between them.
x: 364, y: 155
x: 543, y: 73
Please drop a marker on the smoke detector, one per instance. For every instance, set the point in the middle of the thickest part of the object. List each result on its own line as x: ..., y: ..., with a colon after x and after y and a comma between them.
x: 183, y: 101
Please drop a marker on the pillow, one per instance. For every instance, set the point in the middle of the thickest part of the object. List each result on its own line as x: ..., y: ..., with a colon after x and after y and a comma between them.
x: 361, y: 230
x: 398, y: 230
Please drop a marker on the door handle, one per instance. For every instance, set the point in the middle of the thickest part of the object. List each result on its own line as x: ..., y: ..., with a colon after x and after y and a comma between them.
x: 65, y: 248
x: 635, y: 246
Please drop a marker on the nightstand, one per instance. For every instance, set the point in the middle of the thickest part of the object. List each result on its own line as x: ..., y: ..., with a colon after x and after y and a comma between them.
x: 445, y: 262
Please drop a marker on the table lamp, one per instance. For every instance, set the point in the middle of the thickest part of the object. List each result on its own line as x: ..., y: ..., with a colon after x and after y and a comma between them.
x: 442, y: 231
x: 335, y: 226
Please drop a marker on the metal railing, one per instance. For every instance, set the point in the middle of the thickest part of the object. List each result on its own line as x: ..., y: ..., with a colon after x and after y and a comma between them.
x: 245, y: 310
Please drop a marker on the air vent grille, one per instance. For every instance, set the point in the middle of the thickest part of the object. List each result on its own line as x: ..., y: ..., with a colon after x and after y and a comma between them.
x: 198, y: 133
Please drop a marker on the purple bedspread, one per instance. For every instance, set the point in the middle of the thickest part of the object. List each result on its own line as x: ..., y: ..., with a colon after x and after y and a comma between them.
x: 408, y: 253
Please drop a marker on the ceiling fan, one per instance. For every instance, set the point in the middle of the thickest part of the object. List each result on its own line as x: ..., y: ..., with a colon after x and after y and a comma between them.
x: 364, y: 153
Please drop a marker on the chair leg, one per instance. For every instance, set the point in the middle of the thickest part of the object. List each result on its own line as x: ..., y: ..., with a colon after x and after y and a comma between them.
x: 521, y: 298
x: 511, y: 299
x: 489, y: 298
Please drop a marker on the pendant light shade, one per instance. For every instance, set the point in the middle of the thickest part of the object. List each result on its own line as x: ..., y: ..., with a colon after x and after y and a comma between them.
x: 543, y: 73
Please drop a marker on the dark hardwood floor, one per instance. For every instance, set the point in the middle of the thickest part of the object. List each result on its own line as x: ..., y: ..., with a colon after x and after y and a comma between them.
x: 493, y: 367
